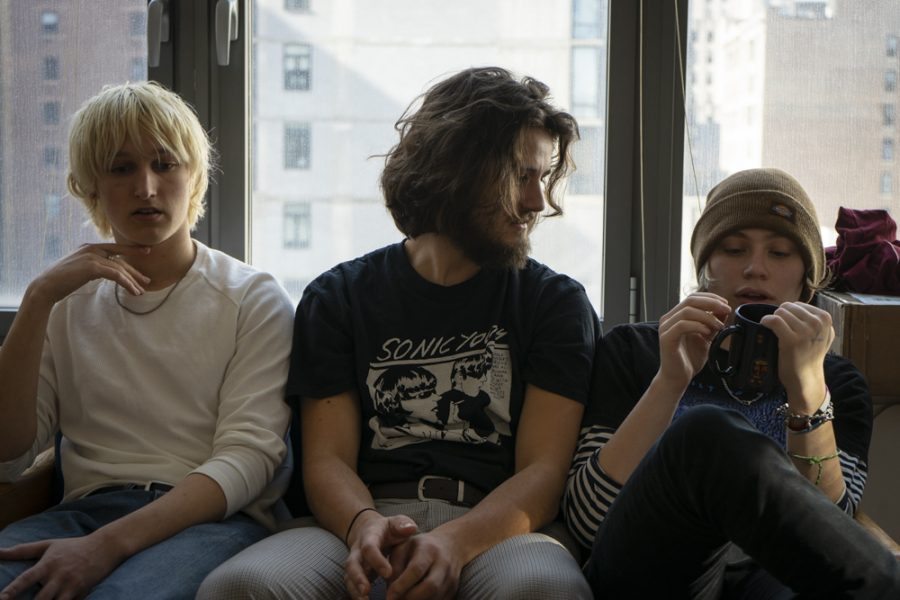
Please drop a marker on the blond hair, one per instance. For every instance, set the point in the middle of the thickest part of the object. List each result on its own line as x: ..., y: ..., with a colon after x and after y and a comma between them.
x: 149, y: 116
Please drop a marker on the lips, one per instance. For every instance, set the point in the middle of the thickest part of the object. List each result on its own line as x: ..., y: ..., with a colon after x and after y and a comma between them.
x: 146, y: 211
x: 747, y: 295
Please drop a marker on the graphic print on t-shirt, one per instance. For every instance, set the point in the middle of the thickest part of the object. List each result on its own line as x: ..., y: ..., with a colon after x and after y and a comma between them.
x: 453, y: 388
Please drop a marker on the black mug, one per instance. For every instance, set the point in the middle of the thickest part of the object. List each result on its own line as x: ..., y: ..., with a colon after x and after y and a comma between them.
x: 752, y: 365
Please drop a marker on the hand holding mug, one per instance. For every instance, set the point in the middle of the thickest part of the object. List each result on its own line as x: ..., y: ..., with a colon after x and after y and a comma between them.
x: 751, y: 369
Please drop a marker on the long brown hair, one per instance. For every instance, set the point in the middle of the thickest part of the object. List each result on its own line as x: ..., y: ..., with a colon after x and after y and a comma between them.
x: 463, y: 146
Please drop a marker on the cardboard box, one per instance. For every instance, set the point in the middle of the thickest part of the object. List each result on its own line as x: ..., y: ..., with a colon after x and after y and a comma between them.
x: 869, y: 335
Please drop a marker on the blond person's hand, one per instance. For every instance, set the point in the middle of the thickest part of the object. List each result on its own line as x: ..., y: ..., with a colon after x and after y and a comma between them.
x: 372, y: 539
x: 66, y: 569
x: 89, y: 262
x: 425, y: 567
x: 804, y: 336
x: 685, y: 335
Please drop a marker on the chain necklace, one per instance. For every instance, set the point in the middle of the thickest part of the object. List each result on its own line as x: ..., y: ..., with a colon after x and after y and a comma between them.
x: 155, y: 308
x: 744, y: 401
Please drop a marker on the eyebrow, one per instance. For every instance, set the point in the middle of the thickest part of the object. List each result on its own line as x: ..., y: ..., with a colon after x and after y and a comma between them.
x: 156, y: 152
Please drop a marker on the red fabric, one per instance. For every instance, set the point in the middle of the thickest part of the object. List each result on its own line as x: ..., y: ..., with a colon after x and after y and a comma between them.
x: 867, y: 256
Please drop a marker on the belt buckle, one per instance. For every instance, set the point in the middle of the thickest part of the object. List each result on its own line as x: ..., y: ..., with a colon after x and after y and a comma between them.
x: 420, y: 488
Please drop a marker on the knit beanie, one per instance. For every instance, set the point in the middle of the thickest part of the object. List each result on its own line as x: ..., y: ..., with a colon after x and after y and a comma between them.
x: 763, y: 199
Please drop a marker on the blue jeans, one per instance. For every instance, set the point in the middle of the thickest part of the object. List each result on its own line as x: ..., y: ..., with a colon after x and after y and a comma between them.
x: 712, y: 483
x: 170, y: 569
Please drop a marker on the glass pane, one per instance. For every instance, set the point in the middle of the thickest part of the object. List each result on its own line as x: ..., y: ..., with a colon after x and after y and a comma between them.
x: 808, y: 87
x: 329, y: 83
x: 52, y: 60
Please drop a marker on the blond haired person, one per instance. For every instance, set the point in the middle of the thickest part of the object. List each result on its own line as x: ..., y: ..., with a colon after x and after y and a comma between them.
x: 160, y: 362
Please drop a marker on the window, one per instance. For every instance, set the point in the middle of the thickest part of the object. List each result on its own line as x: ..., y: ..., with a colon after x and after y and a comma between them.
x: 587, y: 19
x: 296, y: 5
x: 887, y: 184
x: 52, y: 204
x: 138, y: 69
x: 297, y: 65
x: 369, y: 67
x: 296, y: 146
x: 49, y: 22
x: 51, y: 113
x: 587, y: 74
x: 51, y: 68
x: 137, y: 23
x: 51, y: 156
x: 297, y: 225
x: 791, y: 118
x: 38, y: 222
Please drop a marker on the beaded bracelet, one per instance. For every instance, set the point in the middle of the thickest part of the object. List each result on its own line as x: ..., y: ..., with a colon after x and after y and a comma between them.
x: 815, y: 460
x: 352, y: 522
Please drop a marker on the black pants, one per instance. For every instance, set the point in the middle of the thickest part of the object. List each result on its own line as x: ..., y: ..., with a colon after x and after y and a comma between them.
x: 713, y: 483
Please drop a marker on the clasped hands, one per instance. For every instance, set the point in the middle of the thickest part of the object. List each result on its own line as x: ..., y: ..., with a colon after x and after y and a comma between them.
x: 414, y: 565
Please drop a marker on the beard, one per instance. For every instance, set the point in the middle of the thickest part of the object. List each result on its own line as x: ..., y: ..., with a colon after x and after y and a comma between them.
x: 481, y: 243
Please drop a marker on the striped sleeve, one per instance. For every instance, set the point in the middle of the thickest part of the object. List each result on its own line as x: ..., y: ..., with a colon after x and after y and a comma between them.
x: 589, y: 491
x: 855, y: 472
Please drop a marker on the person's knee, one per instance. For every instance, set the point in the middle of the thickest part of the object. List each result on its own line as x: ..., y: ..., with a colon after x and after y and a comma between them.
x: 236, y: 581
x: 713, y: 427
x: 553, y: 583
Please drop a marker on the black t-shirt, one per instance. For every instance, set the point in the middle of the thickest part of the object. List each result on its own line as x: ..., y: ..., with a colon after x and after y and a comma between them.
x: 440, y: 371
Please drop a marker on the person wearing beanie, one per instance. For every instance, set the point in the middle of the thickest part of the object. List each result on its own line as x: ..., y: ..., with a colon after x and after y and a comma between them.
x: 682, y: 486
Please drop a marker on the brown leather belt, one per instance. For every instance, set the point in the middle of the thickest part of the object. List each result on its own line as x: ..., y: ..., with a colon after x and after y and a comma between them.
x: 430, y: 487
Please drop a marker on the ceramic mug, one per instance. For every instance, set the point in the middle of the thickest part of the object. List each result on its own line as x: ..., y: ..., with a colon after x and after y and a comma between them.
x: 752, y: 364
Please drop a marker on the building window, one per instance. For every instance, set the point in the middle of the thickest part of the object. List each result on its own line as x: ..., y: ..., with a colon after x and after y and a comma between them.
x: 887, y: 183
x: 297, y: 225
x: 51, y: 113
x: 51, y: 68
x: 888, y: 114
x: 890, y: 80
x: 49, y: 22
x: 296, y: 5
x: 53, y: 205
x: 297, y: 66
x: 51, y: 156
x: 887, y: 149
x: 892, y: 45
x: 296, y: 146
x: 586, y: 20
x: 137, y: 23
x: 588, y: 81
x: 138, y: 69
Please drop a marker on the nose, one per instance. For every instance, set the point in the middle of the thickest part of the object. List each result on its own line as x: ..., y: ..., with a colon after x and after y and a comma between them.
x: 145, y: 183
x: 531, y: 196
x: 756, y: 264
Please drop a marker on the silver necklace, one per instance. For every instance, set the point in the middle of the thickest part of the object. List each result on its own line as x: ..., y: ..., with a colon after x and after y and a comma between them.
x: 744, y: 401
x: 154, y: 309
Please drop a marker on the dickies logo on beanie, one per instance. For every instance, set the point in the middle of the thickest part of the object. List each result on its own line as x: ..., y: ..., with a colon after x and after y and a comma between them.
x: 783, y: 211
x: 760, y: 199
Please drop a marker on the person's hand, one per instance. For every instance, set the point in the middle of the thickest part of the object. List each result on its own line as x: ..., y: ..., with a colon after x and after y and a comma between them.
x: 425, y: 567
x: 66, y: 568
x: 804, y: 336
x: 372, y: 538
x: 685, y: 334
x: 91, y: 261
